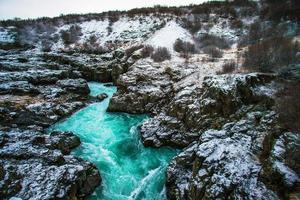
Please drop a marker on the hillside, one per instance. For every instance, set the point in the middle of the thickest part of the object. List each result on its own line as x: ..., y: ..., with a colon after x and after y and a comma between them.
x: 219, y: 81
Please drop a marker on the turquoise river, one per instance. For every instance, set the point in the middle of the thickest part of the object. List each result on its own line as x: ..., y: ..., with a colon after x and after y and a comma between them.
x: 111, y: 141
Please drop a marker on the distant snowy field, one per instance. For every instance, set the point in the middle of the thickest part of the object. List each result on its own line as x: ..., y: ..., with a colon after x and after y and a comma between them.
x: 158, y: 31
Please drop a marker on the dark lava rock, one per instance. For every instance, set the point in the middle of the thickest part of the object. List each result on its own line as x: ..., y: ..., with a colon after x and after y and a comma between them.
x: 78, y: 86
x: 140, y: 89
x: 44, y: 114
x: 220, y: 100
x: 35, y: 166
x: 102, y: 96
x: 17, y: 87
x: 224, y: 127
x: 33, y: 96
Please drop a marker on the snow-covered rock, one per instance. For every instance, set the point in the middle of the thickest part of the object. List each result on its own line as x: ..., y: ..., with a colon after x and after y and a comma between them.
x: 36, y: 166
x: 6, y: 36
x: 223, y: 163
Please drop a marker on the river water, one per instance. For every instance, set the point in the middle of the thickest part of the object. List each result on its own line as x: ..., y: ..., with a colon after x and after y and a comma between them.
x: 111, y: 141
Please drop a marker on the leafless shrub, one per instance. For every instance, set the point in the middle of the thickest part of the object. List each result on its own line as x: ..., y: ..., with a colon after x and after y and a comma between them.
x: 288, y: 107
x: 268, y: 55
x: 181, y: 46
x: 147, y: 51
x: 161, y: 54
x: 212, y: 40
x: 72, y: 35
x: 280, y: 9
x: 192, y: 24
x: 261, y: 31
x: 237, y: 24
x: 46, y: 45
x: 92, y: 39
x: 213, y: 52
x: 227, y: 68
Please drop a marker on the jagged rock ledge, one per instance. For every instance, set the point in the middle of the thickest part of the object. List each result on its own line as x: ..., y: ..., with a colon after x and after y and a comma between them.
x: 228, y: 128
x: 34, y: 165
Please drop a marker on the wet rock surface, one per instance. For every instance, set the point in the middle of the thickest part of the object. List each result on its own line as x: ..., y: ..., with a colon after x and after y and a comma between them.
x: 233, y: 146
x: 36, y: 166
x: 49, y: 86
x: 34, y: 95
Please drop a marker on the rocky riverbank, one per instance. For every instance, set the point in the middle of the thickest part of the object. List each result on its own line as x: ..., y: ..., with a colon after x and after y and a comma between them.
x: 36, y: 93
x: 233, y: 145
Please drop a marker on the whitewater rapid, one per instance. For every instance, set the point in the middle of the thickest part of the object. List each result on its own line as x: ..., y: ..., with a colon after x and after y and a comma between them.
x: 111, y: 141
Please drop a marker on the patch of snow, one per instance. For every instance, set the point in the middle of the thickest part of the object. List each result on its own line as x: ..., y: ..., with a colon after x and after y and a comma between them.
x: 290, y: 177
x: 124, y: 31
x: 93, y: 27
x: 5, y: 36
x: 221, y: 29
x: 249, y: 21
x: 167, y: 36
x: 267, y: 90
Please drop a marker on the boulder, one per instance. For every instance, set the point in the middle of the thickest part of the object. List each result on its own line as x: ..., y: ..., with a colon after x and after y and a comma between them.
x: 78, y: 86
x: 102, y: 96
x: 18, y: 87
x: 192, y: 110
x: 36, y: 166
x: 140, y: 89
x: 117, y: 70
x: 223, y: 163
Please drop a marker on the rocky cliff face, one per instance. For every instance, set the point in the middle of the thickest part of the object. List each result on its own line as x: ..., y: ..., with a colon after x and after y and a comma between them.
x: 233, y: 146
x: 36, y: 93
x: 37, y: 166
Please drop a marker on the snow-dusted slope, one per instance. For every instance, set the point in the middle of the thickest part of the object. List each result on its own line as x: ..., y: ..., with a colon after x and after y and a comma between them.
x: 5, y: 36
x: 125, y: 30
x: 167, y: 36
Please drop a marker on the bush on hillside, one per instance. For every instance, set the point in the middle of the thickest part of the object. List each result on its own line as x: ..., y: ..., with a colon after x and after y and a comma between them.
x: 261, y: 31
x: 213, y: 52
x: 288, y: 107
x: 161, y: 54
x: 92, y: 39
x: 181, y: 46
x: 281, y: 9
x: 72, y: 35
x: 212, y: 40
x: 228, y: 68
x: 193, y: 24
x: 237, y: 24
x: 268, y: 55
x: 46, y: 45
x: 147, y: 51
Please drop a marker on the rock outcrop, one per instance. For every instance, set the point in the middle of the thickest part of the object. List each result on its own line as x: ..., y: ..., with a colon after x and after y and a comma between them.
x: 190, y: 112
x: 37, y: 166
x: 225, y: 127
x: 33, y: 165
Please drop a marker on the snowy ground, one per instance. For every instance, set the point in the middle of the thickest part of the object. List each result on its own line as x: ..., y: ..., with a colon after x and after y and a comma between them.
x: 5, y: 36
x: 167, y: 36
